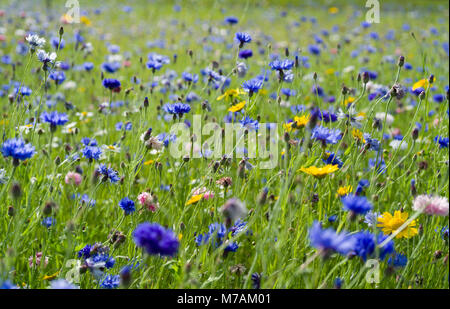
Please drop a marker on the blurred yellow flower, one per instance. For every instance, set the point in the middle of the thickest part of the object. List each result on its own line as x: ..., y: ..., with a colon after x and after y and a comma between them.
x: 237, y: 107
x: 320, y: 172
x: 149, y: 162
x: 390, y: 224
x: 194, y: 199
x: 330, y: 71
x: 333, y: 10
x: 85, y: 20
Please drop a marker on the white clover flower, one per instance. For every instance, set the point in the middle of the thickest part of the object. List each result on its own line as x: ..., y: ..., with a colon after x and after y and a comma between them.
x: 35, y: 41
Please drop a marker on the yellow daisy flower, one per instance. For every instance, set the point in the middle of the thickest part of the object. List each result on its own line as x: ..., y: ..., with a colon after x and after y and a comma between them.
x: 298, y: 123
x: 194, y: 199
x: 320, y: 172
x: 237, y: 107
x: 343, y: 191
x: 421, y: 83
x: 390, y: 224
x: 357, y: 134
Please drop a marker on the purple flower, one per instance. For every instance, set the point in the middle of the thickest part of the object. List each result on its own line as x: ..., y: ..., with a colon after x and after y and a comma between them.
x: 127, y: 205
x: 245, y: 54
x: 356, y: 204
x: 54, y: 119
x: 242, y: 38
x: 17, y: 149
x: 327, y: 240
x: 155, y: 239
x: 111, y: 83
x: 325, y: 135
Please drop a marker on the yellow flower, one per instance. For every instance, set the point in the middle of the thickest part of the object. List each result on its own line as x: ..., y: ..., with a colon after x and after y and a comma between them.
x: 348, y: 101
x: 237, y: 107
x: 390, y: 224
x: 357, y: 134
x: 298, y: 123
x: 342, y: 191
x: 194, y: 199
x: 422, y: 83
x: 320, y: 172
x: 262, y: 92
x: 50, y: 277
x: 230, y: 94
x: 180, y: 236
x: 85, y: 20
x: 333, y: 10
x: 330, y: 71
x: 149, y: 162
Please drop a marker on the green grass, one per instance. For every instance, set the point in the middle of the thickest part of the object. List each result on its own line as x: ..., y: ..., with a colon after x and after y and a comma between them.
x: 279, y: 245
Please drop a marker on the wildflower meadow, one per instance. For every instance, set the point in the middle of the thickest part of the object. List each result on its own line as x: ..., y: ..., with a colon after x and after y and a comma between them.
x: 217, y: 144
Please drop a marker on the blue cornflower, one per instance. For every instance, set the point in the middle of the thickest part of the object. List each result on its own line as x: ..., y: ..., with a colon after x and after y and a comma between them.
x: 438, y: 98
x: 55, y: 43
x: 242, y: 38
x: 363, y: 183
x: 245, y: 54
x: 54, y: 119
x: 398, y: 260
x: 314, y: 49
x: 249, y: 123
x: 127, y: 205
x: 364, y: 244
x: 325, y: 135
x: 328, y: 241
x: 371, y: 219
x: 281, y: 65
x: 110, y: 282
x: 216, y: 235
x: 92, y: 152
x: 317, y: 90
x: 333, y: 159
x: 155, y: 239
x: 103, y: 258
x: 17, y: 149
x: 358, y: 205
x: 45, y: 58
x: 324, y: 115
x: 108, y: 173
x: 88, y: 66
x: 156, y: 61
x: 127, y: 127
x: 110, y: 67
x: 48, y: 222
x: 252, y: 86
x: 85, y: 252
x: 231, y: 20
x: 371, y: 143
x: 387, y: 249
x: 58, y: 76
x: 111, y: 83
x: 442, y: 141
x: 177, y: 108
x: 190, y: 78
